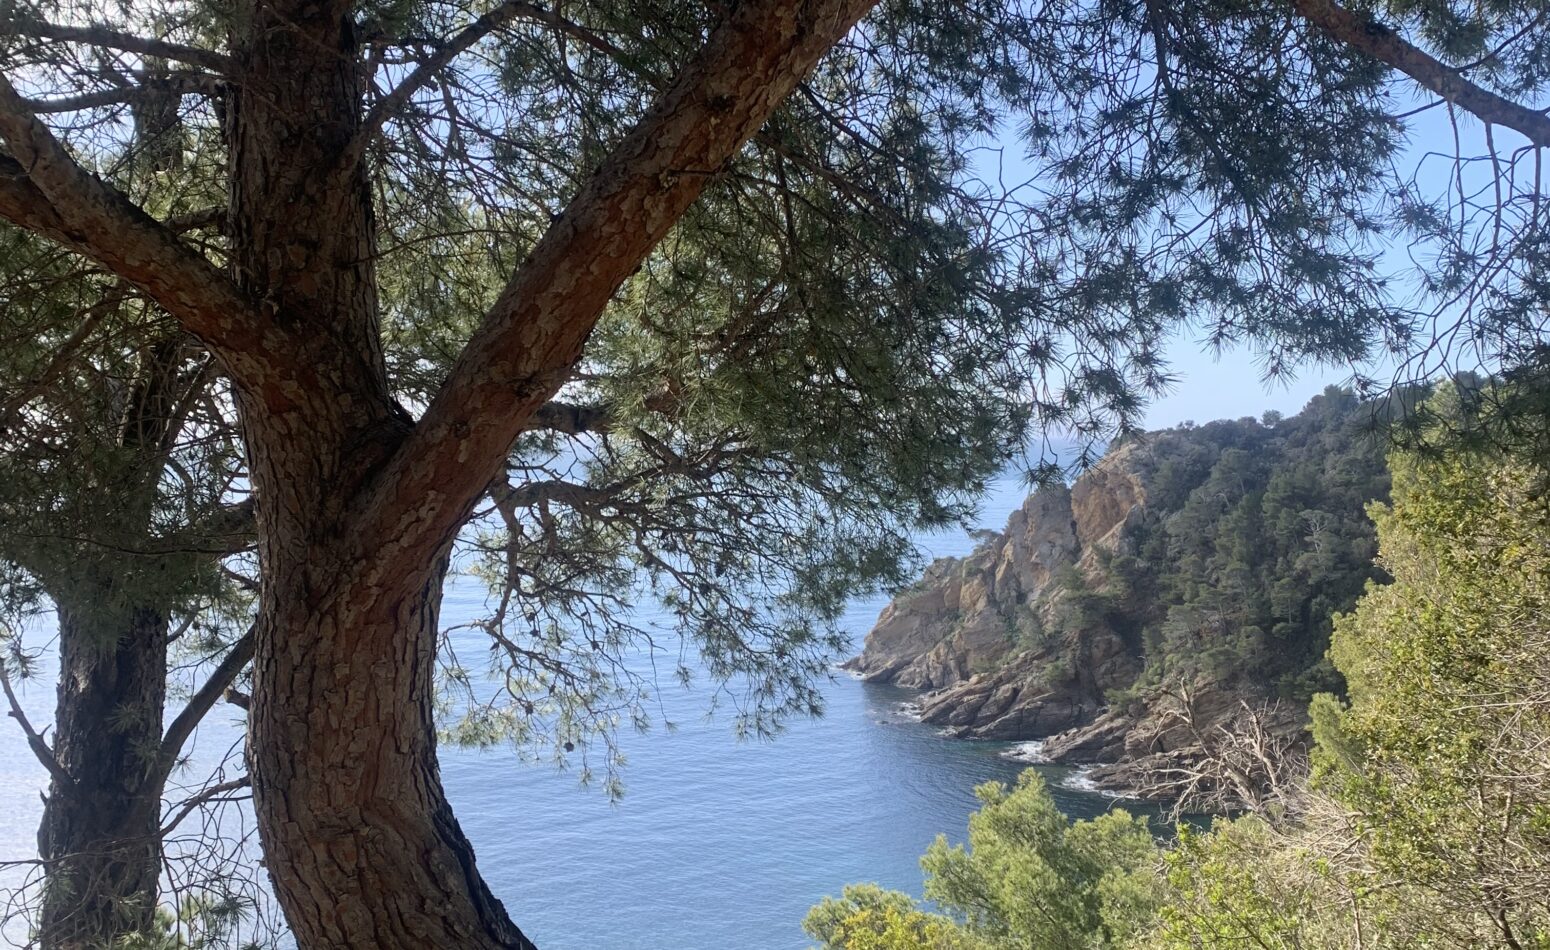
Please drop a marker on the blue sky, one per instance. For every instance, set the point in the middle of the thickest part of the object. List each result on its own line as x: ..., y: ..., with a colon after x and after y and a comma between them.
x: 1231, y: 386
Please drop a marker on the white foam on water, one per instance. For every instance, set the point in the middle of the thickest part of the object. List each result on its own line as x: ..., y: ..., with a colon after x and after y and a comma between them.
x: 1031, y: 752
x: 1081, y: 781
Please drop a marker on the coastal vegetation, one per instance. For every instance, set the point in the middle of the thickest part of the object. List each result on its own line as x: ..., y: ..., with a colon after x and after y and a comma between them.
x: 1424, y: 820
x: 1187, y: 582
x: 308, y: 305
x: 1028, y: 877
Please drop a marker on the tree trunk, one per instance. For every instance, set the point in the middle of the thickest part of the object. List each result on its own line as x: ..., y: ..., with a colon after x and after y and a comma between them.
x: 100, y: 831
x: 357, y: 507
x: 361, y: 842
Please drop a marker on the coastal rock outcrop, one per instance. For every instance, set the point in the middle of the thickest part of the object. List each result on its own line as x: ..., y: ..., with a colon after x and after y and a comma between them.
x: 960, y: 619
x: 974, y: 629
x: 1206, y: 560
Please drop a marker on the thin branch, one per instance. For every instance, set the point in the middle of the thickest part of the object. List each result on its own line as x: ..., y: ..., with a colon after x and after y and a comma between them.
x: 25, y: 393
x: 207, y: 795
x: 103, y: 37
x: 573, y: 419
x: 575, y: 30
x: 34, y: 738
x: 207, y: 696
x: 445, y: 53
x: 1387, y: 46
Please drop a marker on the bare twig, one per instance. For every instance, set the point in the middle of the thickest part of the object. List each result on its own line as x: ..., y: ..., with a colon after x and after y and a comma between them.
x: 35, y: 739
x: 423, y: 74
x: 210, y: 794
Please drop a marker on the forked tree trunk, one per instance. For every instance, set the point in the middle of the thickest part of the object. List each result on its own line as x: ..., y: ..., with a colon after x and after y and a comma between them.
x: 357, y: 507
x: 359, y: 841
x: 99, y: 834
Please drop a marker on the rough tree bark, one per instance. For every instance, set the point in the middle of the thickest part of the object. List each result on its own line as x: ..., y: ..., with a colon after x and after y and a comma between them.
x: 357, y: 505
x: 361, y: 845
x: 99, y: 834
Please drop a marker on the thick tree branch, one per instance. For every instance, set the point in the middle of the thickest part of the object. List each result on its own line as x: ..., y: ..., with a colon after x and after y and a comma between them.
x: 508, y: 498
x: 207, y: 696
x: 101, y: 36
x: 230, y: 530
x: 177, y: 84
x: 45, y: 191
x: 212, y: 218
x: 571, y: 419
x: 1387, y: 46
x: 533, y: 335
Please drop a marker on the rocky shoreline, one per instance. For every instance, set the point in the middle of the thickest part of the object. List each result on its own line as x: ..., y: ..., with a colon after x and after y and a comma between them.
x: 998, y: 642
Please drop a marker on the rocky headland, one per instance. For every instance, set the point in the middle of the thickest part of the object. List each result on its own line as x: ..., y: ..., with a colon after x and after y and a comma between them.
x: 1177, y: 586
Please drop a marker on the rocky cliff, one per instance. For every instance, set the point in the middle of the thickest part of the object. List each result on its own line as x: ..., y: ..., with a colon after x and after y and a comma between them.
x: 960, y: 618
x: 1206, y: 559
x: 969, y: 630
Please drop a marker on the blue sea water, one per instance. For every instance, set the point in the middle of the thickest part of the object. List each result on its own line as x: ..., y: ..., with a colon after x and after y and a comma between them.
x: 716, y: 843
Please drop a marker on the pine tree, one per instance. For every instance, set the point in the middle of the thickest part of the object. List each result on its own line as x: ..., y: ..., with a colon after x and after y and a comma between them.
x: 116, y: 473
x: 667, y: 291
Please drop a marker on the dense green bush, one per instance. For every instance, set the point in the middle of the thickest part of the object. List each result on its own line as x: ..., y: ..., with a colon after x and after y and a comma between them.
x: 1028, y: 879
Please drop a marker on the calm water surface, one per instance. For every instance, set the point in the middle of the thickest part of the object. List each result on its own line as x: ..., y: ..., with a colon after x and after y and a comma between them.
x: 717, y: 843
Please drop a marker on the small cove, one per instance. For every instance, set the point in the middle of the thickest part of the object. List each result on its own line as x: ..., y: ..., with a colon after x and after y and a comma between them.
x: 717, y: 843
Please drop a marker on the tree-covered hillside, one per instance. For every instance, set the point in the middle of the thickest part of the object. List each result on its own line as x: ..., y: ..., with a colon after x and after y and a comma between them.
x: 1424, y: 822
x: 1253, y: 535
x: 1186, y: 579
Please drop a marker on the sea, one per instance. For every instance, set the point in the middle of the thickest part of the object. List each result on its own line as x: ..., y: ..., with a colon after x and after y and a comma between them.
x: 717, y: 842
